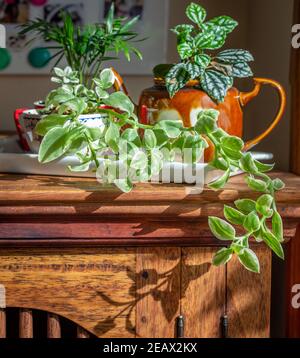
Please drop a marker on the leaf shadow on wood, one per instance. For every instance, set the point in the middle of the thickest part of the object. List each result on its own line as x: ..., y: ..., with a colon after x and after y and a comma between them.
x: 162, y: 287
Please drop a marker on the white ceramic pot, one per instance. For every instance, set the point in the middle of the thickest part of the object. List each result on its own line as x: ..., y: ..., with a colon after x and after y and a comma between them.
x: 28, y: 120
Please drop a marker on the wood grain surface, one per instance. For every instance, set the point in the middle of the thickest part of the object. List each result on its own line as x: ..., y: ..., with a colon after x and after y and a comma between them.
x: 293, y: 288
x: 25, y: 323
x: 36, y: 211
x: 158, y: 292
x: 249, y: 298
x: 202, y: 293
x: 90, y: 288
x: 53, y: 326
x: 2, y: 323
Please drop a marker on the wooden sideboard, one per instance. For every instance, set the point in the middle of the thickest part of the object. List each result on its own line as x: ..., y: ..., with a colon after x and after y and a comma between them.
x: 130, y: 265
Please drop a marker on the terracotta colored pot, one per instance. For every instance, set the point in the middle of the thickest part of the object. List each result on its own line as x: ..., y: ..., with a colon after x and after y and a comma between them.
x: 187, y: 103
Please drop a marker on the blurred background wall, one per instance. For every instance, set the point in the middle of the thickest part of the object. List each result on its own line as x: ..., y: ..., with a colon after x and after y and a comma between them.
x: 265, y: 29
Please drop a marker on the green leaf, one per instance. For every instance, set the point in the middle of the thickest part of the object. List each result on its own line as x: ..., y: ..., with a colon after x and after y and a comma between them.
x: 245, y: 205
x: 202, y: 60
x: 77, y: 105
x: 277, y: 226
x: 161, y: 71
x: 185, y: 50
x: 112, y: 135
x: 120, y: 101
x: 49, y: 122
x: 101, y: 93
x: 204, y: 40
x: 249, y: 259
x: 196, y: 13
x: 235, y: 56
x: 232, y: 147
x: 110, y: 19
x: 59, y: 72
x: 262, y: 167
x: 219, y: 134
x: 256, y: 184
x: 278, y: 184
x: 211, y: 40
x: 125, y: 185
x: 273, y: 244
x: 80, y: 168
x: 207, y: 121
x: 156, y: 161
x: 186, y: 29
x: 233, y: 216
x: 264, y: 204
x: 215, y: 84
x: 252, y: 222
x: 220, y: 163
x: 150, y: 139
x: 222, y: 257
x: 177, y: 78
x: 225, y: 22
x: 53, y: 145
x: 171, y: 128
x: 139, y: 161
x: 194, y: 70
x: 193, y: 147
x: 221, y: 182
x: 247, y: 164
x: 107, y: 78
x: 241, y: 70
x: 221, y: 229
x: 96, y: 133
x: 161, y: 136
x: 130, y: 134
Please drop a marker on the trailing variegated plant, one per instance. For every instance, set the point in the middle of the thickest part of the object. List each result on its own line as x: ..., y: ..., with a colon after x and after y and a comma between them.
x: 120, y: 140
x: 215, y: 72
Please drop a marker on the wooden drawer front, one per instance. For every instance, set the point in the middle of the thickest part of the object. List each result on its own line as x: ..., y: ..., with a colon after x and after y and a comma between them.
x: 83, y: 286
x: 140, y: 291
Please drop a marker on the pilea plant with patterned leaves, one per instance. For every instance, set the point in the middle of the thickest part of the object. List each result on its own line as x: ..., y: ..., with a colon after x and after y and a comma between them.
x: 214, y: 72
x: 142, y: 150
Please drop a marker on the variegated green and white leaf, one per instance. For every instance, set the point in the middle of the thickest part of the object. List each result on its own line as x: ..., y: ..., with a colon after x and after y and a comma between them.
x: 241, y: 70
x: 196, y: 13
x: 204, y: 39
x: 235, y: 56
x: 211, y: 40
x: 215, y: 84
x: 194, y: 70
x: 185, y: 50
x: 202, y: 60
x: 179, y: 29
x: 176, y: 78
x: 225, y: 22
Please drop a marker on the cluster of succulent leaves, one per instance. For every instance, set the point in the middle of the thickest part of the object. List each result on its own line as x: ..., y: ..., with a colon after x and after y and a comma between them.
x: 213, y: 71
x: 86, y: 48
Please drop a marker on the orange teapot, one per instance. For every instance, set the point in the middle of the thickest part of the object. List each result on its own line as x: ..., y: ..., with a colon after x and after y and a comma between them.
x: 189, y: 101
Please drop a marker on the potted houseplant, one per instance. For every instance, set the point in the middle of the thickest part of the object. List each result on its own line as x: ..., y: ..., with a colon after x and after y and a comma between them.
x: 121, y: 138
x: 84, y: 49
x: 83, y: 118
x: 204, y: 78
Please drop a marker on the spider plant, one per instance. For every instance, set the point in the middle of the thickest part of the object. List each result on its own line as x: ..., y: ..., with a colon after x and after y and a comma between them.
x: 86, y: 48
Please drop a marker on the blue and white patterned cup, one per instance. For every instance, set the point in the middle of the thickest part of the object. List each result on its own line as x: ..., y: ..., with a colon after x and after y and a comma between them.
x: 29, y: 119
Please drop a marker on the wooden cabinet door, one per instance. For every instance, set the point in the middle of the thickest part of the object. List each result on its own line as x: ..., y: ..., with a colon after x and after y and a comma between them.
x: 202, y: 293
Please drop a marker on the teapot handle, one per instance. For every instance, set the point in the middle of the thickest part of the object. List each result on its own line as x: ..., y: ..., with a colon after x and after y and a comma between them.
x: 119, y: 84
x: 246, y: 97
